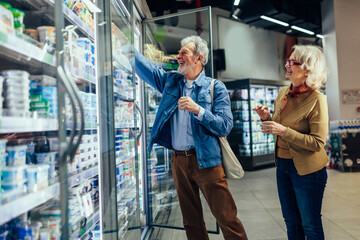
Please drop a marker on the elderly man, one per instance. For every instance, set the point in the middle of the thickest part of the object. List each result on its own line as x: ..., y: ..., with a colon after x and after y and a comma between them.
x: 187, y: 123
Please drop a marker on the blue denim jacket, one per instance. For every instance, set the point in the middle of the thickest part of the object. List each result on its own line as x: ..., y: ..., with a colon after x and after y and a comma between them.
x: 216, y: 122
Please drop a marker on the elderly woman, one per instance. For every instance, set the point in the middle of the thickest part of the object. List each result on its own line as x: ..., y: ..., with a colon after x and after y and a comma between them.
x: 300, y: 124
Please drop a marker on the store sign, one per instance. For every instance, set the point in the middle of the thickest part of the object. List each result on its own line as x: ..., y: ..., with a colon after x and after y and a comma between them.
x: 351, y: 96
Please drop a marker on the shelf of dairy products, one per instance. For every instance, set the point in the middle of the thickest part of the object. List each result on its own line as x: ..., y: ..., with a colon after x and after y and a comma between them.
x: 25, y: 124
x: 124, y: 158
x: 72, y: 17
x: 28, y: 54
x: 27, y: 202
x: 90, y: 225
x: 80, y: 177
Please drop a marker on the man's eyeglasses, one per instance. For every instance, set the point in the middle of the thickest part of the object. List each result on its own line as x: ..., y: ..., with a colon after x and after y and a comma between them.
x: 292, y: 62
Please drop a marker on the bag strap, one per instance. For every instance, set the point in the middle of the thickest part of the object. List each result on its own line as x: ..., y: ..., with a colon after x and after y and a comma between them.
x: 212, y: 92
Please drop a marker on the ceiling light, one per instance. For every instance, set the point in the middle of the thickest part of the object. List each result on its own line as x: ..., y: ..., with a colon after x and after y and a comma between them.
x: 302, y: 30
x: 274, y: 20
x: 319, y: 36
x: 236, y: 2
x: 236, y: 13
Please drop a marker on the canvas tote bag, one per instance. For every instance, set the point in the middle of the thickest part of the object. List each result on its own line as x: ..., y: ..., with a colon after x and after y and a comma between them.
x: 232, y: 166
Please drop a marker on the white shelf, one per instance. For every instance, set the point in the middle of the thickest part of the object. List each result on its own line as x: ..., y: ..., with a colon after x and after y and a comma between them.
x: 20, y: 124
x: 26, y: 203
x: 121, y: 125
x: 80, y: 177
x: 22, y: 51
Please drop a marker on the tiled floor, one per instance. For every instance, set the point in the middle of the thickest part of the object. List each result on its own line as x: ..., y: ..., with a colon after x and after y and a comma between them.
x: 259, y: 208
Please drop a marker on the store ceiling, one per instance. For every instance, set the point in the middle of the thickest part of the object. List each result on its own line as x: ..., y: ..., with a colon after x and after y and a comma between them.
x: 302, y: 13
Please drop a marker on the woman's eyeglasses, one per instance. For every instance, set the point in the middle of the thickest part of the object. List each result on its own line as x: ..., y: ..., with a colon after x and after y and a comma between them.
x: 292, y: 62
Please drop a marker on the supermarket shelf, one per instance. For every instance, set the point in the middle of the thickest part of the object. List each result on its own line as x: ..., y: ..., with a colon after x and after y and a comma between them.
x: 124, y: 158
x: 91, y: 223
x: 17, y: 207
x: 78, y: 178
x: 20, y: 51
x: 20, y: 124
x: 81, y: 80
x: 124, y: 97
x: 124, y: 125
x: 74, y: 19
x: 70, y: 15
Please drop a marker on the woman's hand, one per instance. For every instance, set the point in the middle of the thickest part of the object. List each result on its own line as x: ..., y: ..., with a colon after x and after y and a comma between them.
x: 274, y: 128
x: 263, y: 112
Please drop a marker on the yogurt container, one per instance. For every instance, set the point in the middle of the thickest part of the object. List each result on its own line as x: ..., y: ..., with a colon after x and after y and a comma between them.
x: 13, y: 186
x: 12, y: 175
x: 16, y: 155
x: 43, y: 158
x: 37, y: 177
x: 47, y: 32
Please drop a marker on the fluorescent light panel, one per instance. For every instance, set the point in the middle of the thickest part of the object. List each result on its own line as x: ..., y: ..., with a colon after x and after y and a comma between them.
x: 302, y: 30
x: 319, y: 36
x: 234, y: 16
x: 274, y: 20
x: 236, y: 2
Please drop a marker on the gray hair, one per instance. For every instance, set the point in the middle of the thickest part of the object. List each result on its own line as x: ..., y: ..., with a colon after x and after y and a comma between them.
x: 201, y: 47
x: 313, y: 60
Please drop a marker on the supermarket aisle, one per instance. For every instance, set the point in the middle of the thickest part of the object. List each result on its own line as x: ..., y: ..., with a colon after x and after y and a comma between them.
x: 259, y: 207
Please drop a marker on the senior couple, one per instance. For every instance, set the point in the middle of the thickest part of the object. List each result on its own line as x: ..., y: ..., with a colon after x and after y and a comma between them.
x: 188, y: 123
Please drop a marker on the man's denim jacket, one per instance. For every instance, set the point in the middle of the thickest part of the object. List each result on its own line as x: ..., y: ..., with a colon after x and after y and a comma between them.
x: 216, y: 122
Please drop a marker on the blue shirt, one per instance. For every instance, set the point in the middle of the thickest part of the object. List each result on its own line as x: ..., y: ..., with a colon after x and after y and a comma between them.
x: 181, y: 131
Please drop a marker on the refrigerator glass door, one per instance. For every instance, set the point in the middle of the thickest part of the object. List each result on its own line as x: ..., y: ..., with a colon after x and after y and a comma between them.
x: 161, y: 38
x: 118, y: 123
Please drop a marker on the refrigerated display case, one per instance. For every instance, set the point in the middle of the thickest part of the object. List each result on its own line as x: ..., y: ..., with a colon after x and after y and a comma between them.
x: 42, y: 121
x: 344, y: 140
x: 252, y: 147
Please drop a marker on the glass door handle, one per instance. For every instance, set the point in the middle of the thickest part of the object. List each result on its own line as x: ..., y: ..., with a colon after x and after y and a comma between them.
x: 76, y: 96
x: 70, y: 87
x: 141, y: 123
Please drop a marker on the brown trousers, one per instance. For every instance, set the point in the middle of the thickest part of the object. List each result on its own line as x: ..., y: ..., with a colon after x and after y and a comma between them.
x: 188, y: 178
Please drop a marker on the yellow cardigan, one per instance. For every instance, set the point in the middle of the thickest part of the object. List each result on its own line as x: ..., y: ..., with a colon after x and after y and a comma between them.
x: 306, y: 132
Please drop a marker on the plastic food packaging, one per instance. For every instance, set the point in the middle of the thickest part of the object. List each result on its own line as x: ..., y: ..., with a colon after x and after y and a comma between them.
x: 16, y: 155
x: 11, y: 175
x: 47, y: 32
x: 15, y: 74
x: 6, y: 19
x: 37, y: 177
x: 18, y: 15
x: 33, y: 33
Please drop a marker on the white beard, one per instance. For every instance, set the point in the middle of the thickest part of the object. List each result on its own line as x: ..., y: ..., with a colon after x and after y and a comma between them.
x: 184, y: 69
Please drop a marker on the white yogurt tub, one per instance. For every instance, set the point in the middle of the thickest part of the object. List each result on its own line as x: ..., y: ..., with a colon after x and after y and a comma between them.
x: 12, y: 175
x: 16, y: 155
x: 14, y: 186
x: 37, y: 177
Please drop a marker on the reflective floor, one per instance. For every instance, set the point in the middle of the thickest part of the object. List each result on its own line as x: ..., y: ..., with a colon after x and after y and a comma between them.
x: 259, y: 208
